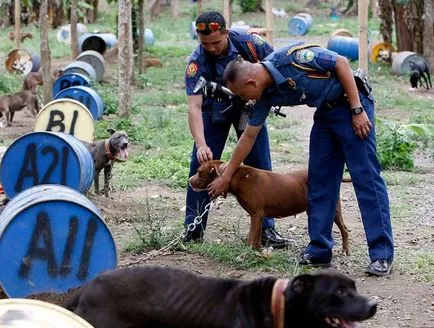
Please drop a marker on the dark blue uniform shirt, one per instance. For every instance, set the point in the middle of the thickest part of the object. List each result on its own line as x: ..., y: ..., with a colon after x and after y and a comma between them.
x: 200, y: 64
x: 304, y: 74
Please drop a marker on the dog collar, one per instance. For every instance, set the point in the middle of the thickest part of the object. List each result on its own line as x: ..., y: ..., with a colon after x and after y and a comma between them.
x: 278, y: 302
x: 107, y: 150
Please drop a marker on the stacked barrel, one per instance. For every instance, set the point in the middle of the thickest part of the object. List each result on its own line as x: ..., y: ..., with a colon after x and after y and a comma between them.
x: 52, y: 238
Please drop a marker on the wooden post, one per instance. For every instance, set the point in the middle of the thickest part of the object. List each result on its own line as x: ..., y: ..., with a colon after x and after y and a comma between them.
x: 428, y: 37
x: 175, y: 9
x: 269, y: 20
x: 45, y: 51
x: 141, y: 36
x: 73, y: 30
x: 363, y: 34
x: 199, y: 7
x: 227, y: 12
x: 17, y: 23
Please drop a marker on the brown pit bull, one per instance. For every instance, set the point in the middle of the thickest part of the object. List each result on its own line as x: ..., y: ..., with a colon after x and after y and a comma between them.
x: 157, y: 297
x: 264, y: 193
x: 33, y: 79
x: 17, y: 101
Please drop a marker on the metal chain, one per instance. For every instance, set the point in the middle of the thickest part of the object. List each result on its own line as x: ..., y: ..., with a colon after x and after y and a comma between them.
x: 192, y: 226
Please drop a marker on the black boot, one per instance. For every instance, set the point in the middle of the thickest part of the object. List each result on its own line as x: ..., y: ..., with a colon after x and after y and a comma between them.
x: 271, y: 238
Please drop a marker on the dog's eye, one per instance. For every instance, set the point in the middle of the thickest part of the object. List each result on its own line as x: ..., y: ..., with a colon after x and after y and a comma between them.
x: 341, y: 292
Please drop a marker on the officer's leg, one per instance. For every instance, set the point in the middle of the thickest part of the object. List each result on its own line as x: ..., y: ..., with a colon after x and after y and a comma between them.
x: 370, y: 188
x: 260, y: 158
x: 326, y: 165
x: 215, y: 136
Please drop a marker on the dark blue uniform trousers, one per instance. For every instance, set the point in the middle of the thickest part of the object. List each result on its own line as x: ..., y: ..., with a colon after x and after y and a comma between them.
x: 332, y: 144
x: 216, y: 135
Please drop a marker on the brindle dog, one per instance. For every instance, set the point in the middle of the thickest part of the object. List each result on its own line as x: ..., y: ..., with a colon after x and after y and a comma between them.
x: 17, y: 101
x: 105, y: 153
x: 160, y: 297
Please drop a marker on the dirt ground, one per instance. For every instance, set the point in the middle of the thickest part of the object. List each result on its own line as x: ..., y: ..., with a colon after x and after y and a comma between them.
x: 405, y: 299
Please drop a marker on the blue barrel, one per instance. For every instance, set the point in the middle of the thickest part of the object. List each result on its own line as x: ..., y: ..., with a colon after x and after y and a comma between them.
x: 345, y: 46
x: 82, y: 68
x: 96, y: 60
x: 23, y: 61
x: 87, y: 96
x: 52, y: 239
x: 98, y: 42
x: 149, y: 36
x: 46, y: 158
x: 300, y: 24
x: 69, y: 80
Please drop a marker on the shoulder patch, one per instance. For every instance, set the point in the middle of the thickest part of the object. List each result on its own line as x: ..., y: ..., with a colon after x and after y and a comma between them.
x: 257, y: 39
x: 304, y: 56
x: 192, y: 69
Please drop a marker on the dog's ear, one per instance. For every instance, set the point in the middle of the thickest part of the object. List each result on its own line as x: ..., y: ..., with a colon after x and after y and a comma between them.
x: 111, y: 131
x: 215, y: 169
x: 299, y: 285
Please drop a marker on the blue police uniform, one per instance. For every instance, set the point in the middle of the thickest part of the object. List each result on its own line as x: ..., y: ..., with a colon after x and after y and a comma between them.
x: 216, y: 127
x: 305, y: 74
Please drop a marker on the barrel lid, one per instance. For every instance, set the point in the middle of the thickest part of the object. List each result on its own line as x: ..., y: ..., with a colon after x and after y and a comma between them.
x: 22, y: 61
x: 95, y: 59
x: 81, y: 67
x: 25, y: 313
x: 71, y: 110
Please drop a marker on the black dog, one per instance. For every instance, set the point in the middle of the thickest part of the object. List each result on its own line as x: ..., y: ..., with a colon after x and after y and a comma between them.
x: 418, y: 71
x: 165, y: 297
x: 105, y: 153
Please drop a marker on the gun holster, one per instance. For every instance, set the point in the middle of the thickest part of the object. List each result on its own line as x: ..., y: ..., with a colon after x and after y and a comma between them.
x: 362, y: 82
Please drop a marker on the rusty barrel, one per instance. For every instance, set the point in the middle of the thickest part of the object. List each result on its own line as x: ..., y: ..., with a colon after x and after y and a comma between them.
x: 87, y: 96
x: 52, y: 239
x: 46, y: 158
x: 23, y: 61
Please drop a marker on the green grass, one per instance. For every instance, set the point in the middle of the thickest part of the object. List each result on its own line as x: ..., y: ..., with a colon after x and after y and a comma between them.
x: 419, y: 263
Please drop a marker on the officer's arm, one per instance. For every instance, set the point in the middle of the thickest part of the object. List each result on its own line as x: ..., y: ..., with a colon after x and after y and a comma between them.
x: 195, y: 119
x: 242, y: 149
x: 345, y: 75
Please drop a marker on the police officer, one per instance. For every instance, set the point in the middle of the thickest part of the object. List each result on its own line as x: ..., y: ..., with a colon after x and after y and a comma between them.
x: 209, y: 127
x: 342, y: 133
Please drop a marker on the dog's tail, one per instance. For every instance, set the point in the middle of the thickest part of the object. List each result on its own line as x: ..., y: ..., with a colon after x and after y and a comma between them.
x: 346, y: 180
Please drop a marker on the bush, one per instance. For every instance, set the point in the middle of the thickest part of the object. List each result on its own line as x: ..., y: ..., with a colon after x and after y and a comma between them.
x: 250, y: 5
x: 395, y: 152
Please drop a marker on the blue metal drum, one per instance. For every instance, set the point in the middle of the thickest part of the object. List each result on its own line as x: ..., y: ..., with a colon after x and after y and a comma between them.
x: 300, y: 24
x: 82, y: 68
x: 345, y: 46
x: 46, y: 158
x: 70, y: 80
x: 97, y: 41
x: 52, y: 238
x: 23, y: 61
x: 87, y: 96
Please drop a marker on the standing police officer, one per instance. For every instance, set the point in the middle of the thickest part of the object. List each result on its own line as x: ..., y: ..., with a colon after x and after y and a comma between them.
x: 209, y: 127
x: 342, y: 133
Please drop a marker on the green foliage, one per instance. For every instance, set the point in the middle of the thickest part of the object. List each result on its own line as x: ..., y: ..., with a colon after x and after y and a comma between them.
x: 248, y: 5
x: 10, y: 83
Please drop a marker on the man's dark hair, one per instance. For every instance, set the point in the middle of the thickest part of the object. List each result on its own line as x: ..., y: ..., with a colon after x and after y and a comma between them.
x: 211, y: 17
x: 233, y: 70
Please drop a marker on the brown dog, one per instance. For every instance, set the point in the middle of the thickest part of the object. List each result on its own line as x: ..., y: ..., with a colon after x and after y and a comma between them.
x: 263, y: 193
x: 164, y: 297
x: 23, y: 36
x: 17, y: 101
x: 33, y: 79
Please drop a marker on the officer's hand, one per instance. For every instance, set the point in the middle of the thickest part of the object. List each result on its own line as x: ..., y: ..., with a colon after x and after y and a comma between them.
x: 219, y: 187
x: 204, y: 154
x: 361, y: 125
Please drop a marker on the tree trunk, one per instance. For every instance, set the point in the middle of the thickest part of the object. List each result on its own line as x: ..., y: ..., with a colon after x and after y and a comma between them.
x: 175, y: 9
x: 125, y: 57
x: 74, y: 37
x: 386, y: 17
x: 17, y: 24
x: 141, y: 37
x: 428, y: 34
x: 45, y: 51
x: 409, y: 26
x: 95, y: 10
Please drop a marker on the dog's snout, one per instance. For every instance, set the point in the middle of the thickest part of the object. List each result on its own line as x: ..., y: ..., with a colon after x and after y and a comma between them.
x: 124, y: 145
x: 372, y: 305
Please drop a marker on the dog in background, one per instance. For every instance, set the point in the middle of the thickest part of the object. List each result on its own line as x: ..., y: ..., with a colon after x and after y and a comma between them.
x: 153, y: 297
x: 23, y: 36
x: 105, y: 153
x: 33, y: 79
x: 419, y: 70
x: 17, y: 101
x: 264, y: 193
